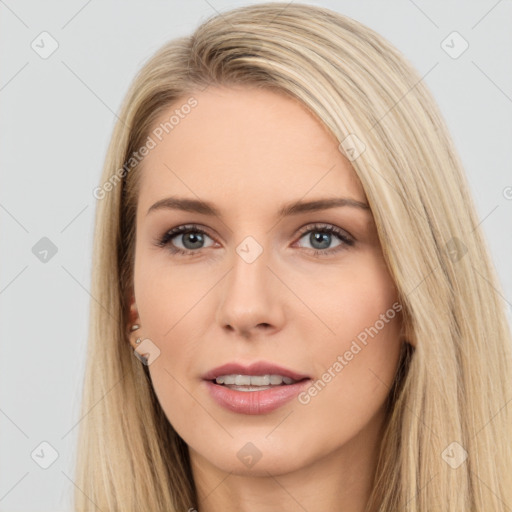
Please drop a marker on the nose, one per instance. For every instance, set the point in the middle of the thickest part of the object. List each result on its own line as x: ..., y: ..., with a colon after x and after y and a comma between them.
x: 251, y: 298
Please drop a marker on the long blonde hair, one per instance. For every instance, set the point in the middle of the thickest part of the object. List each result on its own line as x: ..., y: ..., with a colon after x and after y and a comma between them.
x: 447, y: 440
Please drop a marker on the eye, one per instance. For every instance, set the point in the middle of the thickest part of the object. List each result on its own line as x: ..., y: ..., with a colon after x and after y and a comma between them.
x: 192, y: 239
x: 320, y: 236
x: 191, y: 236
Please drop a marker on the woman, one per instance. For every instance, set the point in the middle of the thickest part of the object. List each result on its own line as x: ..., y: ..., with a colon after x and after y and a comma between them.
x: 286, y: 242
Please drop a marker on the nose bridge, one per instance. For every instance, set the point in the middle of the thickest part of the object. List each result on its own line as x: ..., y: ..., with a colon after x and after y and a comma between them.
x: 249, y: 275
x: 249, y: 295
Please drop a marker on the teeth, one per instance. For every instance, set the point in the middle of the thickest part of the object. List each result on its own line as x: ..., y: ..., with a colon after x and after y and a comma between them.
x: 253, y: 380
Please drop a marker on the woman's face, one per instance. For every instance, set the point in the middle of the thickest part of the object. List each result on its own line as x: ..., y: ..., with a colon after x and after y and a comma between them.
x: 306, y: 291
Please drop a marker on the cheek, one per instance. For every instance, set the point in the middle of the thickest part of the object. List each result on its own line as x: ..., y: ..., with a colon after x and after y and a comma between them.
x: 165, y: 295
x: 350, y: 299
x: 163, y: 301
x: 359, y: 352
x: 171, y: 304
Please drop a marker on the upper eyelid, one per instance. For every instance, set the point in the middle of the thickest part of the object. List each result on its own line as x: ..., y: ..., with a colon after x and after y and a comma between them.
x: 323, y: 225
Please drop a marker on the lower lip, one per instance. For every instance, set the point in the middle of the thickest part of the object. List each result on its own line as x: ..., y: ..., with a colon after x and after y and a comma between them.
x: 255, y: 402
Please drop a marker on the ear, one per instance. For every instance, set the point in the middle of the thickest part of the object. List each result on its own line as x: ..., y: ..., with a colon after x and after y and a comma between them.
x: 133, y: 315
x: 407, y: 333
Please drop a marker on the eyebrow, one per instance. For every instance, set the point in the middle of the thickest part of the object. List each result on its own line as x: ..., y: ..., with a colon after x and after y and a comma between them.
x: 293, y: 208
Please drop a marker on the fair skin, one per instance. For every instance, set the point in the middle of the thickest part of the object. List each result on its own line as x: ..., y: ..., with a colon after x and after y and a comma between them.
x: 249, y: 152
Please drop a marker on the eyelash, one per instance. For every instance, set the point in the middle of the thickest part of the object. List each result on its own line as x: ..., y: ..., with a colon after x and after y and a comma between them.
x: 165, y: 241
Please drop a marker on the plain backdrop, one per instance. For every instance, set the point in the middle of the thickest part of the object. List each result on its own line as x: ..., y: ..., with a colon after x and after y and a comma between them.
x: 57, y: 115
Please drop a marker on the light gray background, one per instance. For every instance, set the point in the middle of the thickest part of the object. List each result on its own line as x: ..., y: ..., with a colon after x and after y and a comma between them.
x: 57, y: 117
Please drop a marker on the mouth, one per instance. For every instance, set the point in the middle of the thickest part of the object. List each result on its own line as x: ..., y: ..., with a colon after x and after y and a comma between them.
x: 257, y: 388
x: 241, y: 382
x: 257, y: 374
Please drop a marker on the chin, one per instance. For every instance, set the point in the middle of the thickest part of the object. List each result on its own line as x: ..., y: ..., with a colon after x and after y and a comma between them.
x: 275, y: 464
x: 254, y: 455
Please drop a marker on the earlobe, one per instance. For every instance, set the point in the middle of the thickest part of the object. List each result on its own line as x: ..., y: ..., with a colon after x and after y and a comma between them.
x: 135, y: 339
x: 406, y: 332
x: 133, y: 305
x: 134, y: 323
x: 408, y: 336
x: 133, y: 309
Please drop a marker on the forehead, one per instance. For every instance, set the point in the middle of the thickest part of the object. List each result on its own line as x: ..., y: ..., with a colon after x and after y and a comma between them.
x: 246, y: 146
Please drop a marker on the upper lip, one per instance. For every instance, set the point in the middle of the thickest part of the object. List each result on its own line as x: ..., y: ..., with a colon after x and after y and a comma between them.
x: 257, y: 368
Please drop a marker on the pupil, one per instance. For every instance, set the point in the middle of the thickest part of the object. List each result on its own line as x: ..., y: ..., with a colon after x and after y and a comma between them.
x: 320, y: 237
x: 198, y: 239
